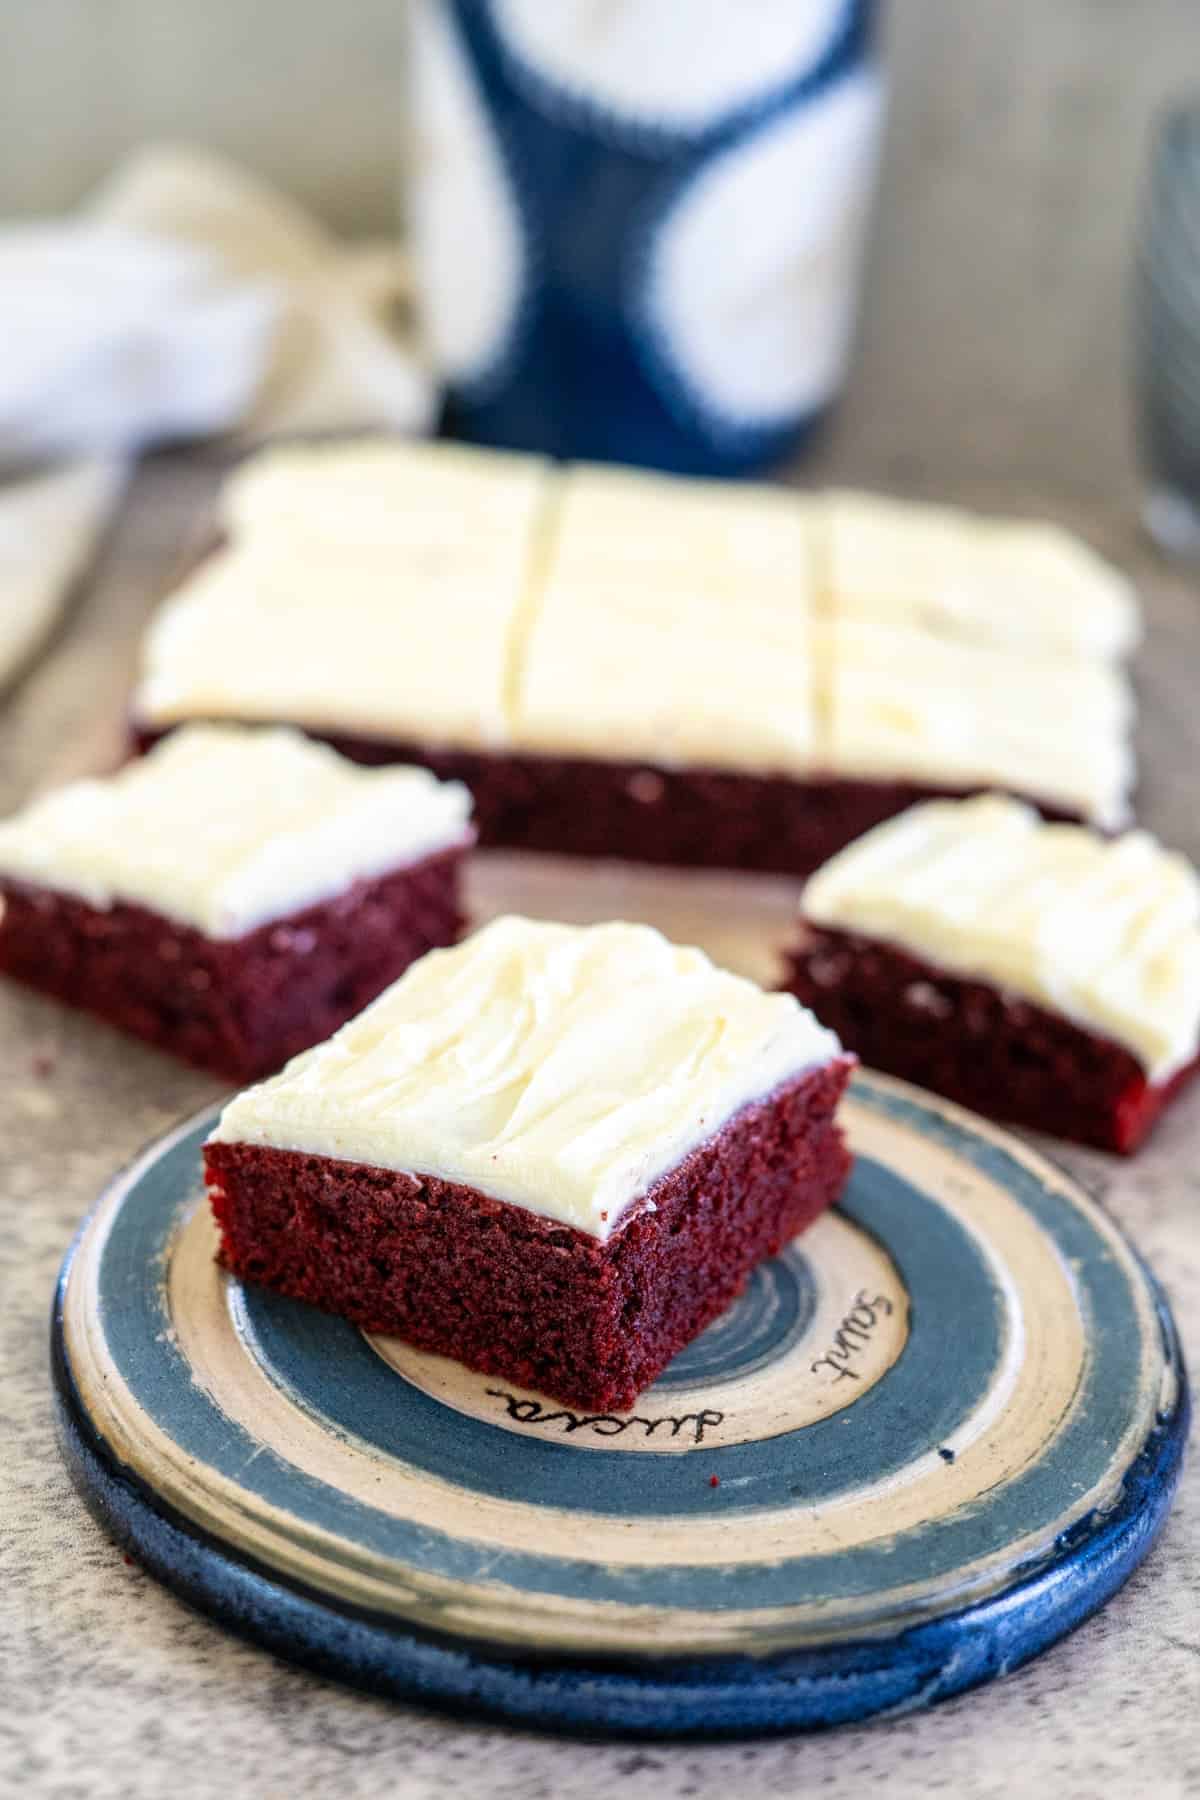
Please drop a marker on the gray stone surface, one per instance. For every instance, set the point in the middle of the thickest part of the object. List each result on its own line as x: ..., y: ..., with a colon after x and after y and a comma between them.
x: 990, y: 369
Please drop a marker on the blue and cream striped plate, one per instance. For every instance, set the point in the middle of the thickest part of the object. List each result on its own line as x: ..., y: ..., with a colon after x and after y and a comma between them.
x: 930, y: 1438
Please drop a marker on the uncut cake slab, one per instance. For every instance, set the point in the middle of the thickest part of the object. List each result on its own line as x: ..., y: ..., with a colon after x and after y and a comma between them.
x: 647, y: 667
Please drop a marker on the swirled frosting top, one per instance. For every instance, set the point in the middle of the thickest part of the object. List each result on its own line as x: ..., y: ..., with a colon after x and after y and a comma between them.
x: 435, y: 596
x: 384, y: 490
x: 903, y: 705
x: 225, y: 828
x: 673, y: 625
x: 1105, y: 931
x: 560, y: 1068
x: 1025, y: 583
x: 370, y: 589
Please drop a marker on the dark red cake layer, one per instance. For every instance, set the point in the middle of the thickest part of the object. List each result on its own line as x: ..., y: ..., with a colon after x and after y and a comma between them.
x: 239, y: 1006
x: 984, y: 1047
x: 691, y: 817
x: 522, y: 1297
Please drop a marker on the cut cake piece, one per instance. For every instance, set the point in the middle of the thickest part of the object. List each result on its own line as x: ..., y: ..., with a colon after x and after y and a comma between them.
x: 1035, y: 972
x: 553, y: 1152
x: 234, y: 896
x: 364, y: 591
x: 905, y: 706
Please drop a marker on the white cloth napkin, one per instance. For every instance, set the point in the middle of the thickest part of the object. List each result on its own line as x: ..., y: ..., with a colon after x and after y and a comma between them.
x: 49, y: 527
x: 190, y: 299
x: 187, y: 300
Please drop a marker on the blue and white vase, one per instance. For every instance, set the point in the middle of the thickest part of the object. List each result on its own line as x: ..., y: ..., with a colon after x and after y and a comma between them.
x: 637, y: 223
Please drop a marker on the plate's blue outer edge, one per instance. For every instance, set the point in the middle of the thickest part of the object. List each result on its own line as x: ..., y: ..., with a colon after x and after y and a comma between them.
x: 707, y: 1697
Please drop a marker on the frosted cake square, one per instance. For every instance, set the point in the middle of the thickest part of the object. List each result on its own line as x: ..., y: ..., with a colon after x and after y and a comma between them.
x: 553, y: 1152
x: 234, y: 896
x: 1036, y: 972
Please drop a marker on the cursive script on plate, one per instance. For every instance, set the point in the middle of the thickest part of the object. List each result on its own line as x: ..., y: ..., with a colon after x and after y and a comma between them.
x: 853, y: 1335
x: 532, y: 1412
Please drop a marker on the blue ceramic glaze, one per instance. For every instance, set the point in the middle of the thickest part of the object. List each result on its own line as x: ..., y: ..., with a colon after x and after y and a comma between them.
x: 1005, y: 1423
x: 615, y: 230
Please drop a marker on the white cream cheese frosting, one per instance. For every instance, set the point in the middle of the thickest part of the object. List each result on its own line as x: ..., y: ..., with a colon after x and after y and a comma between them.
x: 225, y: 828
x: 470, y: 599
x: 560, y: 1068
x: 1104, y: 931
x: 351, y: 640
x: 901, y: 704
x: 368, y: 588
x: 1023, y: 583
x: 382, y: 489
x: 674, y: 626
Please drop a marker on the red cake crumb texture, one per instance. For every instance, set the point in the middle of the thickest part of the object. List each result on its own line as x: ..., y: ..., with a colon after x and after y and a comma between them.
x: 513, y: 1294
x: 684, y: 817
x: 239, y: 1007
x: 988, y: 1049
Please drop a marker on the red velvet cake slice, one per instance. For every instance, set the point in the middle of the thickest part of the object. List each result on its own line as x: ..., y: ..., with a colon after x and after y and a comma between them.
x: 553, y: 1153
x: 235, y: 896
x: 1039, y: 973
